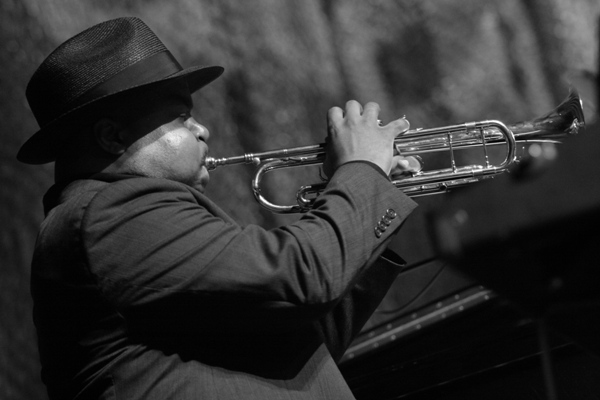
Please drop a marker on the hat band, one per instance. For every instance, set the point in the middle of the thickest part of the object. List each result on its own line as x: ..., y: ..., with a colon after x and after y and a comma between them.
x: 151, y: 69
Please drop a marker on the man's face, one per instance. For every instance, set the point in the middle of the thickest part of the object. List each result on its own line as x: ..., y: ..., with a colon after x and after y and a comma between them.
x: 176, y: 150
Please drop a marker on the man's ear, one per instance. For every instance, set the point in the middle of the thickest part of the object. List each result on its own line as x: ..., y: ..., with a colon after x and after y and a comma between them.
x: 110, y: 136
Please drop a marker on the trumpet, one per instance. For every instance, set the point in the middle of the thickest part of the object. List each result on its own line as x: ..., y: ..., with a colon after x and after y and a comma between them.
x: 566, y: 119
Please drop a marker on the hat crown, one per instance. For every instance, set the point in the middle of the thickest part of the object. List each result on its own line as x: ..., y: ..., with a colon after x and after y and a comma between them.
x: 86, y: 61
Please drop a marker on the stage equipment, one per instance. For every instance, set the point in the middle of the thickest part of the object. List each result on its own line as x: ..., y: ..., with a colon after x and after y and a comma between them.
x: 566, y: 119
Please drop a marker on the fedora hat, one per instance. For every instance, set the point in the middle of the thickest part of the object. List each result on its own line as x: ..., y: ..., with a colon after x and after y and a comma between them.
x: 104, y: 64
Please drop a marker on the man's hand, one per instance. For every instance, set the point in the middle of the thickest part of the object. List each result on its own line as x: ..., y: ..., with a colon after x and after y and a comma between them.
x: 356, y: 135
x: 405, y: 166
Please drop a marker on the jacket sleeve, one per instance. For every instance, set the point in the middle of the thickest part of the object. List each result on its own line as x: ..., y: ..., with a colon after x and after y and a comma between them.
x: 340, y: 326
x: 159, y: 248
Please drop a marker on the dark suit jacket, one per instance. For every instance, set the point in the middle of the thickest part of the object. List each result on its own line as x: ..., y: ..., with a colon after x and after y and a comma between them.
x: 144, y: 289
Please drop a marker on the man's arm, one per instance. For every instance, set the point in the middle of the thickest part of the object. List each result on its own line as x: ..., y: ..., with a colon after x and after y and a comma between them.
x: 150, y: 243
x: 340, y: 326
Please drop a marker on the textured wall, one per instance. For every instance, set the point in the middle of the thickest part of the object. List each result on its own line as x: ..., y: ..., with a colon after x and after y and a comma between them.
x: 287, y: 62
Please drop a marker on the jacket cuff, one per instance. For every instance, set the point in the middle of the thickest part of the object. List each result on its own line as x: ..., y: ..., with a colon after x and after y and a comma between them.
x: 372, y: 164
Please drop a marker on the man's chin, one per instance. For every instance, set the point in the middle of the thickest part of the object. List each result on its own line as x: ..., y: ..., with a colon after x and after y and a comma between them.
x: 203, y: 180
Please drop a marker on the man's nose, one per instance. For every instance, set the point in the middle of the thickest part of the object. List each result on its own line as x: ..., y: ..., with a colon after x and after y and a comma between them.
x: 199, y: 130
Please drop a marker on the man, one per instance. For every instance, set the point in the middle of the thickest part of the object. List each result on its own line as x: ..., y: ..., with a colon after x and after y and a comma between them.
x: 145, y: 289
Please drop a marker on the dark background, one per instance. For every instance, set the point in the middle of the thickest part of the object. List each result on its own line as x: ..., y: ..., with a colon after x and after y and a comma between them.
x: 287, y: 62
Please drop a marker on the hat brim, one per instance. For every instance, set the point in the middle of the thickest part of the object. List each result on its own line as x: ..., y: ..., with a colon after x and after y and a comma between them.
x: 42, y: 146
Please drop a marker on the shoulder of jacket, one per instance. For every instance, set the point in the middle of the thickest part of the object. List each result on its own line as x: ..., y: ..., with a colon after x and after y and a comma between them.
x: 142, y: 185
x: 136, y: 189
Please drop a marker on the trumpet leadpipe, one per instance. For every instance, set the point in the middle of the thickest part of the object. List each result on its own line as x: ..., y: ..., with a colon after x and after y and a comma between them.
x: 258, y: 158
